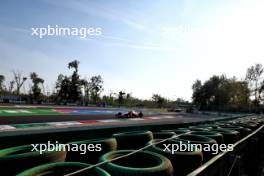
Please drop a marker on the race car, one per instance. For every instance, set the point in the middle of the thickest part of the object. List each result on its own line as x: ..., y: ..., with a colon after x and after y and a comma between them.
x: 130, y: 114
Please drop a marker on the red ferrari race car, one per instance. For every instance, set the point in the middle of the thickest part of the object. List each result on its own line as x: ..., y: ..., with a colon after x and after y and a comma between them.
x: 130, y: 114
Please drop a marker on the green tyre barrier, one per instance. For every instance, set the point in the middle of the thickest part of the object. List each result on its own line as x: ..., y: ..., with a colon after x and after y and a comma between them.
x: 178, y: 131
x: 183, y: 162
x: 208, y: 126
x: 230, y: 136
x: 252, y: 126
x: 198, y: 128
x: 16, y: 159
x: 62, y: 168
x: 133, y: 139
x: 163, y: 135
x: 142, y: 163
x: 243, y: 131
x: 198, y: 139
x: 214, y: 135
x: 92, y: 157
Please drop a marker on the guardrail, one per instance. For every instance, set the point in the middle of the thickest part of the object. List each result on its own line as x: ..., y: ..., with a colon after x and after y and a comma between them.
x: 247, y: 158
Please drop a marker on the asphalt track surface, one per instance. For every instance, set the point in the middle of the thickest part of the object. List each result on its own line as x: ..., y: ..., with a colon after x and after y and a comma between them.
x: 4, y: 120
x: 94, y: 120
x: 168, y: 118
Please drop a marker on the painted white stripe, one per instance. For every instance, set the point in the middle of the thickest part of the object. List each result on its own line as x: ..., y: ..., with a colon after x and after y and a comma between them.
x: 67, y: 123
x: 24, y: 111
x: 135, y: 119
x: 155, y: 118
x: 168, y: 117
x: 108, y: 120
x: 10, y: 111
x: 6, y: 127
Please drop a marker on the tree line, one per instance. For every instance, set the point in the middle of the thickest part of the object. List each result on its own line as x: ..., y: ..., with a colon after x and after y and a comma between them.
x: 220, y: 93
x: 72, y: 89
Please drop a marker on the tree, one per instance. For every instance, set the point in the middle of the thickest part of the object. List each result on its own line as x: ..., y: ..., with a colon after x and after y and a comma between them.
x: 11, y: 86
x: 2, y: 79
x: 63, y: 88
x: 121, y: 95
x: 87, y: 89
x: 36, y: 90
x: 74, y: 64
x: 19, y: 80
x: 261, y: 91
x: 96, y: 87
x: 253, y: 76
x: 159, y: 100
x: 196, y: 87
x: 75, y: 82
x: 221, y: 93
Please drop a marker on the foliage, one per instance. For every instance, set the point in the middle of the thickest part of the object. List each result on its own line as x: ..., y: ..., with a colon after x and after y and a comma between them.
x: 2, y: 79
x: 253, y: 77
x: 221, y: 93
x: 19, y: 80
x: 159, y: 100
x: 96, y: 87
x: 36, y: 80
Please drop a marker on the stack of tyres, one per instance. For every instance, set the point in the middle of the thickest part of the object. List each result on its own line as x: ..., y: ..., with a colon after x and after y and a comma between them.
x: 183, y: 162
x: 92, y: 157
x: 211, y: 134
x: 208, y: 126
x: 133, y: 139
x: 229, y: 136
x: 62, y: 168
x: 178, y: 130
x: 250, y: 125
x: 200, y: 128
x: 163, y: 134
x: 141, y: 163
x: 243, y: 131
x: 16, y: 159
x: 198, y: 139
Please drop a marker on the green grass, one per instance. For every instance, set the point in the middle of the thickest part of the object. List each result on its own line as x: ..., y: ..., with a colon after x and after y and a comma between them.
x: 30, y: 125
x: 27, y: 112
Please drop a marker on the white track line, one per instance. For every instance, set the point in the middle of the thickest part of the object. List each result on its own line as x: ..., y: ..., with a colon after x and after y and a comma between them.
x: 67, y: 123
x: 6, y: 127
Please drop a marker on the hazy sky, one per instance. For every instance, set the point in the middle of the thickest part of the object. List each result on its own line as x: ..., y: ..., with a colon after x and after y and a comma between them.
x: 146, y: 46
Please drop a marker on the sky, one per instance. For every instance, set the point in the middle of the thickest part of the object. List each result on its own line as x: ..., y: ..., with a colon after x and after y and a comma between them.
x: 145, y: 46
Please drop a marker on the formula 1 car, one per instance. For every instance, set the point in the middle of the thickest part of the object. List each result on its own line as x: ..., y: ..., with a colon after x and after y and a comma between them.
x: 130, y: 114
